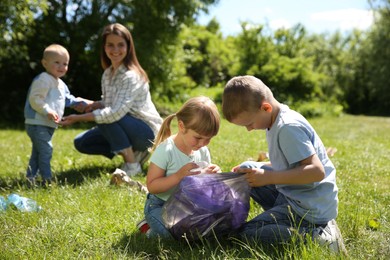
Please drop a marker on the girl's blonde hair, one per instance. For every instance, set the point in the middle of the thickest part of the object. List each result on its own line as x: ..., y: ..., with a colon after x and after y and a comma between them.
x: 130, y: 61
x: 199, y: 114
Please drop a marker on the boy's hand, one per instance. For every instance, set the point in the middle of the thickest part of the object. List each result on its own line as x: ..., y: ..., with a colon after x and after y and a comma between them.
x: 237, y: 169
x: 53, y: 116
x: 255, y: 177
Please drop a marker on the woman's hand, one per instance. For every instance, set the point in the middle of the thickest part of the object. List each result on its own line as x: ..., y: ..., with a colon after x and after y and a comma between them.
x: 69, y: 120
x: 93, y: 106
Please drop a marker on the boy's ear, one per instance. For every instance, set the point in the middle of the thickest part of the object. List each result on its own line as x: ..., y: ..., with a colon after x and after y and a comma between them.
x: 267, y: 107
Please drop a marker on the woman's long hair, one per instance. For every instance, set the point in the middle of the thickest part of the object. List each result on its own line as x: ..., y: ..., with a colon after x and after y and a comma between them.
x: 130, y: 61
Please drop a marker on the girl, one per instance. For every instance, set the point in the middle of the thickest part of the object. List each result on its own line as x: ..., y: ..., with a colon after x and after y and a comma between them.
x: 126, y: 117
x: 175, y: 156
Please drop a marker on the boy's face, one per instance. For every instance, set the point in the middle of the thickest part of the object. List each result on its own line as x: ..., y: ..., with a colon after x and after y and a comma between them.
x: 259, y: 119
x: 56, y: 65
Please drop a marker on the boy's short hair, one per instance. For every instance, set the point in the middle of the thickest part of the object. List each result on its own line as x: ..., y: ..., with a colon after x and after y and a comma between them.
x: 244, y: 94
x: 55, y: 49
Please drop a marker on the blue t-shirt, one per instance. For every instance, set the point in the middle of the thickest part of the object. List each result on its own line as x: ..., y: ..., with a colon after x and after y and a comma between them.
x: 292, y: 139
x: 168, y: 157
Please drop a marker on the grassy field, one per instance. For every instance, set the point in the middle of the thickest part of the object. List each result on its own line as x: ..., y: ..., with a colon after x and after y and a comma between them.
x: 85, y: 217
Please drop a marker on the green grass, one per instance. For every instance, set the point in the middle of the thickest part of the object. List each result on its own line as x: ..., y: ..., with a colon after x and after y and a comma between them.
x: 84, y: 217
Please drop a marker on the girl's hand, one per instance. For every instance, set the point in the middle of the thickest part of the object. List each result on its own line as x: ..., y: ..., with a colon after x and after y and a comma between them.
x: 188, y: 170
x: 213, y: 168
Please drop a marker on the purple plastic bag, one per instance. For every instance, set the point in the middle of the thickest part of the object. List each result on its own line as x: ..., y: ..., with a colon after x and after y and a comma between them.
x: 206, y: 202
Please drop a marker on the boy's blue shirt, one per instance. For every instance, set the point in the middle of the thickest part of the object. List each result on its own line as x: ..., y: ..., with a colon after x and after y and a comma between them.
x: 292, y: 139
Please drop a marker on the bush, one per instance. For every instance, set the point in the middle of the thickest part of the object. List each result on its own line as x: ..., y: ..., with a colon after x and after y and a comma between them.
x: 317, y: 109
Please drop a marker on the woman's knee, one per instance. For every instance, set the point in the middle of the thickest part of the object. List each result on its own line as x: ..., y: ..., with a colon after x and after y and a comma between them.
x: 77, y: 142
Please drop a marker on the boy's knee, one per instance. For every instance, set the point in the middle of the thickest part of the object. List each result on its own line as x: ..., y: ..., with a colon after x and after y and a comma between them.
x: 253, y: 164
x: 248, y: 164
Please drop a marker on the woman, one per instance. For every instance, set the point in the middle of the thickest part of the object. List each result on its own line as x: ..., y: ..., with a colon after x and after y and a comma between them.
x: 126, y: 117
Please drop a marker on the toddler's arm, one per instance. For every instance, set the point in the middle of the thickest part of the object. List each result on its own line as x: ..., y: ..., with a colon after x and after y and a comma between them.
x: 52, y: 115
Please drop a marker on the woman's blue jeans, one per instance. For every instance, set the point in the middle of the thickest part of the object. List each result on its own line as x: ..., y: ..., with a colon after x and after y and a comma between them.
x: 152, y: 211
x: 109, y: 139
x: 278, y: 221
x: 42, y: 151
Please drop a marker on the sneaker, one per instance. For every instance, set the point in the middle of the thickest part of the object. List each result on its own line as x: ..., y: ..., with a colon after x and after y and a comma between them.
x: 141, y: 157
x: 143, y: 226
x: 31, y: 183
x: 46, y: 183
x: 131, y: 169
x: 330, y: 236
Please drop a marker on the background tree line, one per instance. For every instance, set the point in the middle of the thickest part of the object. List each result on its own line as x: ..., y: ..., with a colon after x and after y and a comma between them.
x: 315, y: 73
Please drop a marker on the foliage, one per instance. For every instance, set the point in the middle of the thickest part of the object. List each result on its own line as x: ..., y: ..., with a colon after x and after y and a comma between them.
x: 84, y: 217
x: 370, y: 93
x: 206, y: 57
x: 279, y: 60
x: 16, y: 20
x: 313, y: 108
x: 348, y: 70
x: 77, y: 24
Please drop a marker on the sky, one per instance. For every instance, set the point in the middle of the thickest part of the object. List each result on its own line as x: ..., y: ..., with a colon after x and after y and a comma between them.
x: 317, y: 16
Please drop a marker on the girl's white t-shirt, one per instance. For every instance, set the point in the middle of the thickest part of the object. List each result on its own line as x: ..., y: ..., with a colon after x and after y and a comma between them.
x: 168, y: 157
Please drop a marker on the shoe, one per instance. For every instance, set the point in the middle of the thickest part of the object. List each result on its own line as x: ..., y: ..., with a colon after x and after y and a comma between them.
x: 330, y: 236
x: 31, y: 183
x: 46, y: 183
x: 131, y: 169
x: 143, y: 226
x: 141, y: 157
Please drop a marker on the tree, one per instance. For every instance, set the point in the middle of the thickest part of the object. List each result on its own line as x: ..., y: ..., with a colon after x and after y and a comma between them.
x: 367, y: 91
x: 16, y: 26
x: 205, y: 55
x: 377, y: 55
x: 279, y: 60
x: 77, y: 24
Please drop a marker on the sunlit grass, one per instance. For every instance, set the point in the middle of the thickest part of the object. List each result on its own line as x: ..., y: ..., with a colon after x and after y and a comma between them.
x: 84, y: 217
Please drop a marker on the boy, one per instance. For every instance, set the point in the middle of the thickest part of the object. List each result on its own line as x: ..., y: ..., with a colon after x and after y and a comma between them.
x: 46, y: 100
x: 299, y: 192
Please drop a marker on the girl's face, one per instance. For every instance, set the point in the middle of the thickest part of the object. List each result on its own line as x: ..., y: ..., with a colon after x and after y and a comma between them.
x: 116, y: 49
x: 56, y: 65
x: 189, y: 140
